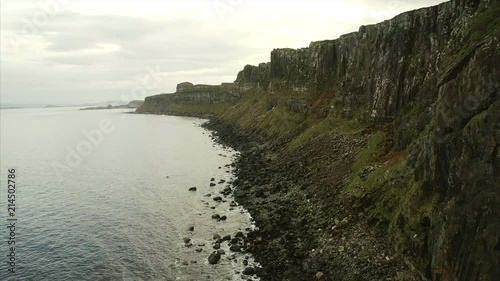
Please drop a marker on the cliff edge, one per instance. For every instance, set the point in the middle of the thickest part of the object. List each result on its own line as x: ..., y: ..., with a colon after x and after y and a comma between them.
x: 193, y: 100
x: 389, y: 135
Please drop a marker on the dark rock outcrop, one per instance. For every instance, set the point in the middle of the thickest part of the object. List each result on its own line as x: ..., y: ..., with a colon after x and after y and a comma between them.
x: 254, y: 76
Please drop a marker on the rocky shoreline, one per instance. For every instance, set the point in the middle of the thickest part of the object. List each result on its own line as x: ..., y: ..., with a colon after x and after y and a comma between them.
x: 302, y: 234
x: 222, y: 248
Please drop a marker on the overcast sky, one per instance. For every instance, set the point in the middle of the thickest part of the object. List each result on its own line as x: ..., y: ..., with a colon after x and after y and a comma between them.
x: 70, y: 51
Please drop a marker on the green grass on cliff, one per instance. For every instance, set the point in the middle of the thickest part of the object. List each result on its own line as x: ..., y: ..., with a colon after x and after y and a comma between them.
x: 401, y: 203
x: 388, y: 193
x: 186, y: 109
x: 366, y: 157
x: 199, y: 109
x: 396, y: 201
x: 266, y: 113
x: 329, y: 126
x: 386, y: 189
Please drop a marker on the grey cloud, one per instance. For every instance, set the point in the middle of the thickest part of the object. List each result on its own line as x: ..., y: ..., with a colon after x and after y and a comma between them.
x: 176, y: 41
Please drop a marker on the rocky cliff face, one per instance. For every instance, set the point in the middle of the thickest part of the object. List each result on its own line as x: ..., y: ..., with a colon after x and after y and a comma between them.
x: 428, y: 83
x: 187, y: 95
x: 382, y: 67
x: 445, y: 59
x: 254, y: 76
x: 135, y: 104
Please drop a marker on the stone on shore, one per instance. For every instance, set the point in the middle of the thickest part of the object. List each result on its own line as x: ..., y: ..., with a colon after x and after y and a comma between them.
x: 249, y: 271
x: 214, y: 258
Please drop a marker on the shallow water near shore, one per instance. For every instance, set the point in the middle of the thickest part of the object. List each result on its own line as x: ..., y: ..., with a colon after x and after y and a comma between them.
x: 103, y: 195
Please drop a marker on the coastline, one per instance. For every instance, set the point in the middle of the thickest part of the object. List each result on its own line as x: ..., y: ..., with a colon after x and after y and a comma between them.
x: 342, y: 245
x: 223, y: 249
x: 374, y: 156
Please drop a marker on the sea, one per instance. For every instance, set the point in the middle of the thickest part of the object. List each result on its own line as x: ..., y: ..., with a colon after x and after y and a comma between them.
x: 104, y: 195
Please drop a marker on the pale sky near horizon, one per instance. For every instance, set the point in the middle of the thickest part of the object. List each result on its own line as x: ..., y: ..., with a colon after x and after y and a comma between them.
x: 71, y: 51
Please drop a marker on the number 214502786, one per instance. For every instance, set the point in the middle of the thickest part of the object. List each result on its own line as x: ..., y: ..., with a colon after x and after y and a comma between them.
x: 11, y: 192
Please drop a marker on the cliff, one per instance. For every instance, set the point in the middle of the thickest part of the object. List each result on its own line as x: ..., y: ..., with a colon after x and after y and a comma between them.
x: 192, y: 100
x: 131, y: 104
x: 396, y: 128
x: 135, y: 104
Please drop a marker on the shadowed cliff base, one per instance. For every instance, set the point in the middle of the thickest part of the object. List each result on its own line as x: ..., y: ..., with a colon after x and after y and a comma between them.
x: 371, y: 157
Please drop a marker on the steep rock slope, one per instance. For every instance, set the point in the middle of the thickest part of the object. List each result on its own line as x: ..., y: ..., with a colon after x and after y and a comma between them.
x: 399, y: 122
x: 194, y: 100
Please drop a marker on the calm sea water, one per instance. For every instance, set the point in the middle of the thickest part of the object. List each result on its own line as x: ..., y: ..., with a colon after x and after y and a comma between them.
x: 103, y: 195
